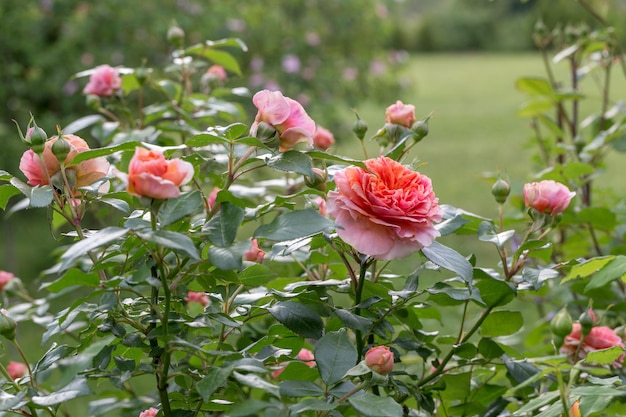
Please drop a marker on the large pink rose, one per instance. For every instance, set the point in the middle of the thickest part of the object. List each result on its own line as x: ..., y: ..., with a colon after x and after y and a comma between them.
x: 400, y: 114
x: 103, y: 82
x: 286, y: 115
x: 151, y: 175
x: 379, y: 359
x: 599, y: 337
x: 86, y: 172
x: 547, y: 196
x: 385, y: 211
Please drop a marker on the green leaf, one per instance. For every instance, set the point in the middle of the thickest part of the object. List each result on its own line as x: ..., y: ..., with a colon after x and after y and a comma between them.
x: 604, y: 356
x: 99, y: 239
x: 501, y: 323
x: 117, y: 204
x: 575, y: 170
x: 176, y: 208
x: 312, y: 404
x: 294, y: 225
x: 6, y: 192
x: 335, y: 355
x: 38, y: 196
x: 204, y: 139
x: 615, y: 269
x: 81, y: 123
x: 223, y: 227
x: 215, y: 378
x: 8, y: 401
x: 254, y: 381
x: 77, y: 388
x: 232, y: 131
x: 95, y: 153
x: 172, y: 240
x: 495, y: 292
x: 598, y: 217
x: 455, y: 386
x: 352, y: 321
x: 534, y: 86
x: 520, y: 371
x: 489, y: 349
x: 588, y: 267
x: 595, y: 399
x: 371, y: 405
x: 256, y: 275
x: 536, y: 249
x: 449, y: 259
x: 292, y: 161
x: 298, y: 318
x: 300, y: 389
x: 227, y: 259
x: 487, y: 233
x: 216, y: 56
x: 536, y: 107
x: 336, y: 158
x: 73, y: 277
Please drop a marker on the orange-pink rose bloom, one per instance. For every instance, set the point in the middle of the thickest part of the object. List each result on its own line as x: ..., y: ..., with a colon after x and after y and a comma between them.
x: 599, y: 337
x: 385, y: 211
x: 400, y: 114
x: 103, y: 82
x: 16, y: 370
x: 286, y: 115
x: 379, y: 359
x: 151, y: 175
x: 86, y: 172
x: 323, y: 138
x: 547, y: 196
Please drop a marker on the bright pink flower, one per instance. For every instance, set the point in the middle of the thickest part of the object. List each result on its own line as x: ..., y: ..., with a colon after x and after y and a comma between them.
x: 305, y: 355
x: 379, y: 359
x: 385, y: 211
x: 323, y: 138
x: 198, y: 297
x: 103, y: 82
x: 254, y: 254
x: 5, y: 278
x: 151, y: 175
x: 400, y: 114
x: 600, y: 337
x: 16, y: 370
x: 218, y: 72
x: 286, y: 115
x: 86, y: 172
x: 547, y: 196
x: 150, y: 412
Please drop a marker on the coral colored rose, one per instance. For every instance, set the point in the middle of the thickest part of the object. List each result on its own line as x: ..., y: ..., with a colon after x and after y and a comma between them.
x: 286, y: 115
x: 379, y: 359
x: 547, y: 196
x: 254, y: 254
x: 600, y: 337
x: 151, y: 175
x: 574, y: 410
x: 5, y: 278
x: 385, y: 211
x: 16, y: 370
x: 103, y: 82
x: 400, y: 114
x: 86, y: 172
x: 150, y: 412
x: 198, y: 297
x: 305, y: 355
x: 323, y: 138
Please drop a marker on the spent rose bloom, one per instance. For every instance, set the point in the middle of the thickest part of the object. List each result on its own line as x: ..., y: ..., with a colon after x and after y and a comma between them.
x: 400, y: 114
x: 547, y: 196
x: 323, y: 138
x: 103, y: 82
x: 254, y: 254
x: 151, y: 175
x: 385, y: 211
x: 16, y: 370
x: 5, y: 278
x: 285, y: 115
x: 197, y: 297
x: 150, y: 412
x: 379, y: 359
x: 305, y: 355
x: 86, y: 172
x: 599, y: 337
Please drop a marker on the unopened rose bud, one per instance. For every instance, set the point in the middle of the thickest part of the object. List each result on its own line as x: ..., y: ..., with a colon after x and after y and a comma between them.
x: 61, y: 149
x: 318, y: 180
x: 420, y: 129
x: 379, y: 359
x: 561, y: 324
x: 587, y: 321
x: 500, y: 190
x: 7, y: 326
x: 93, y: 101
x: 176, y: 36
x: 360, y: 128
x: 141, y: 74
x: 16, y: 370
x: 37, y: 138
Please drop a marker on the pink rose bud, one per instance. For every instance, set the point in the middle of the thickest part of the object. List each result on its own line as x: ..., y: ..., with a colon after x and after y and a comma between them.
x: 7, y: 325
x: 323, y: 138
x: 151, y: 175
x: 198, y: 297
x: 598, y: 338
x: 103, y: 82
x: 379, y: 359
x: 5, y: 278
x: 37, y: 138
x: 150, y: 412
x: 305, y: 355
x: 16, y: 370
x: 547, y: 196
x: 254, y: 254
x: 217, y: 72
x: 400, y: 114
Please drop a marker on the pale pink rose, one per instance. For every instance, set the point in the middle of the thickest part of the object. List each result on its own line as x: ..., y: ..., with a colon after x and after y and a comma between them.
x: 16, y: 370
x: 150, y: 412
x: 379, y: 359
x: 5, y: 278
x: 400, y: 114
x: 599, y: 337
x: 305, y: 355
x: 151, y: 175
x: 286, y: 115
x: 217, y: 71
x: 385, y: 211
x: 547, y: 196
x: 86, y: 172
x: 323, y: 138
x: 254, y: 254
x: 103, y: 82
x: 198, y: 297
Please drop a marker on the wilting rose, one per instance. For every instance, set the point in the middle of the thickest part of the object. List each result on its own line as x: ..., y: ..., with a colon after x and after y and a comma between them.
x: 547, y: 196
x: 150, y: 412
x: 379, y: 359
x: 323, y: 138
x: 599, y: 337
x: 16, y: 370
x: 305, y: 355
x: 79, y: 175
x: 151, y: 175
x: 5, y: 278
x: 400, y: 114
x: 254, y: 254
x: 284, y: 114
x: 385, y: 211
x: 103, y: 82
x: 198, y: 297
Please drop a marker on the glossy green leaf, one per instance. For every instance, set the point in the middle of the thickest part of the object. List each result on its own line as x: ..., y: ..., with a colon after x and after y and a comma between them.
x: 294, y: 225
x: 292, y: 161
x: 587, y: 267
x: 536, y: 249
x: 256, y: 275
x: 604, y: 356
x: 9, y: 401
x: 616, y: 269
x: 5, y: 176
x: 300, y: 389
x: 104, y: 237
x: 536, y: 107
x: 312, y: 404
x: 598, y: 217
x: 178, y: 242
x: 229, y: 258
x: 352, y: 321
x: 214, y: 379
x: 75, y: 389
x: 298, y: 318
x: 255, y: 381
x: 495, y: 292
x: 455, y: 386
x: 71, y: 277
x: 38, y: 196
x: 520, y: 371
x: 6, y: 192
x: 487, y: 233
x: 501, y: 323
x: 335, y: 158
x: 176, y: 208
x: 335, y: 355
x: 223, y: 227
x: 534, y: 86
x: 95, y: 153
x: 489, y: 349
x: 595, y: 399
x: 204, y: 139
x: 371, y: 405
x: 449, y: 259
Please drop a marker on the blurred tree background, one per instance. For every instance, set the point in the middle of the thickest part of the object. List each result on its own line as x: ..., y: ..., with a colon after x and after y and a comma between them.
x: 329, y: 54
